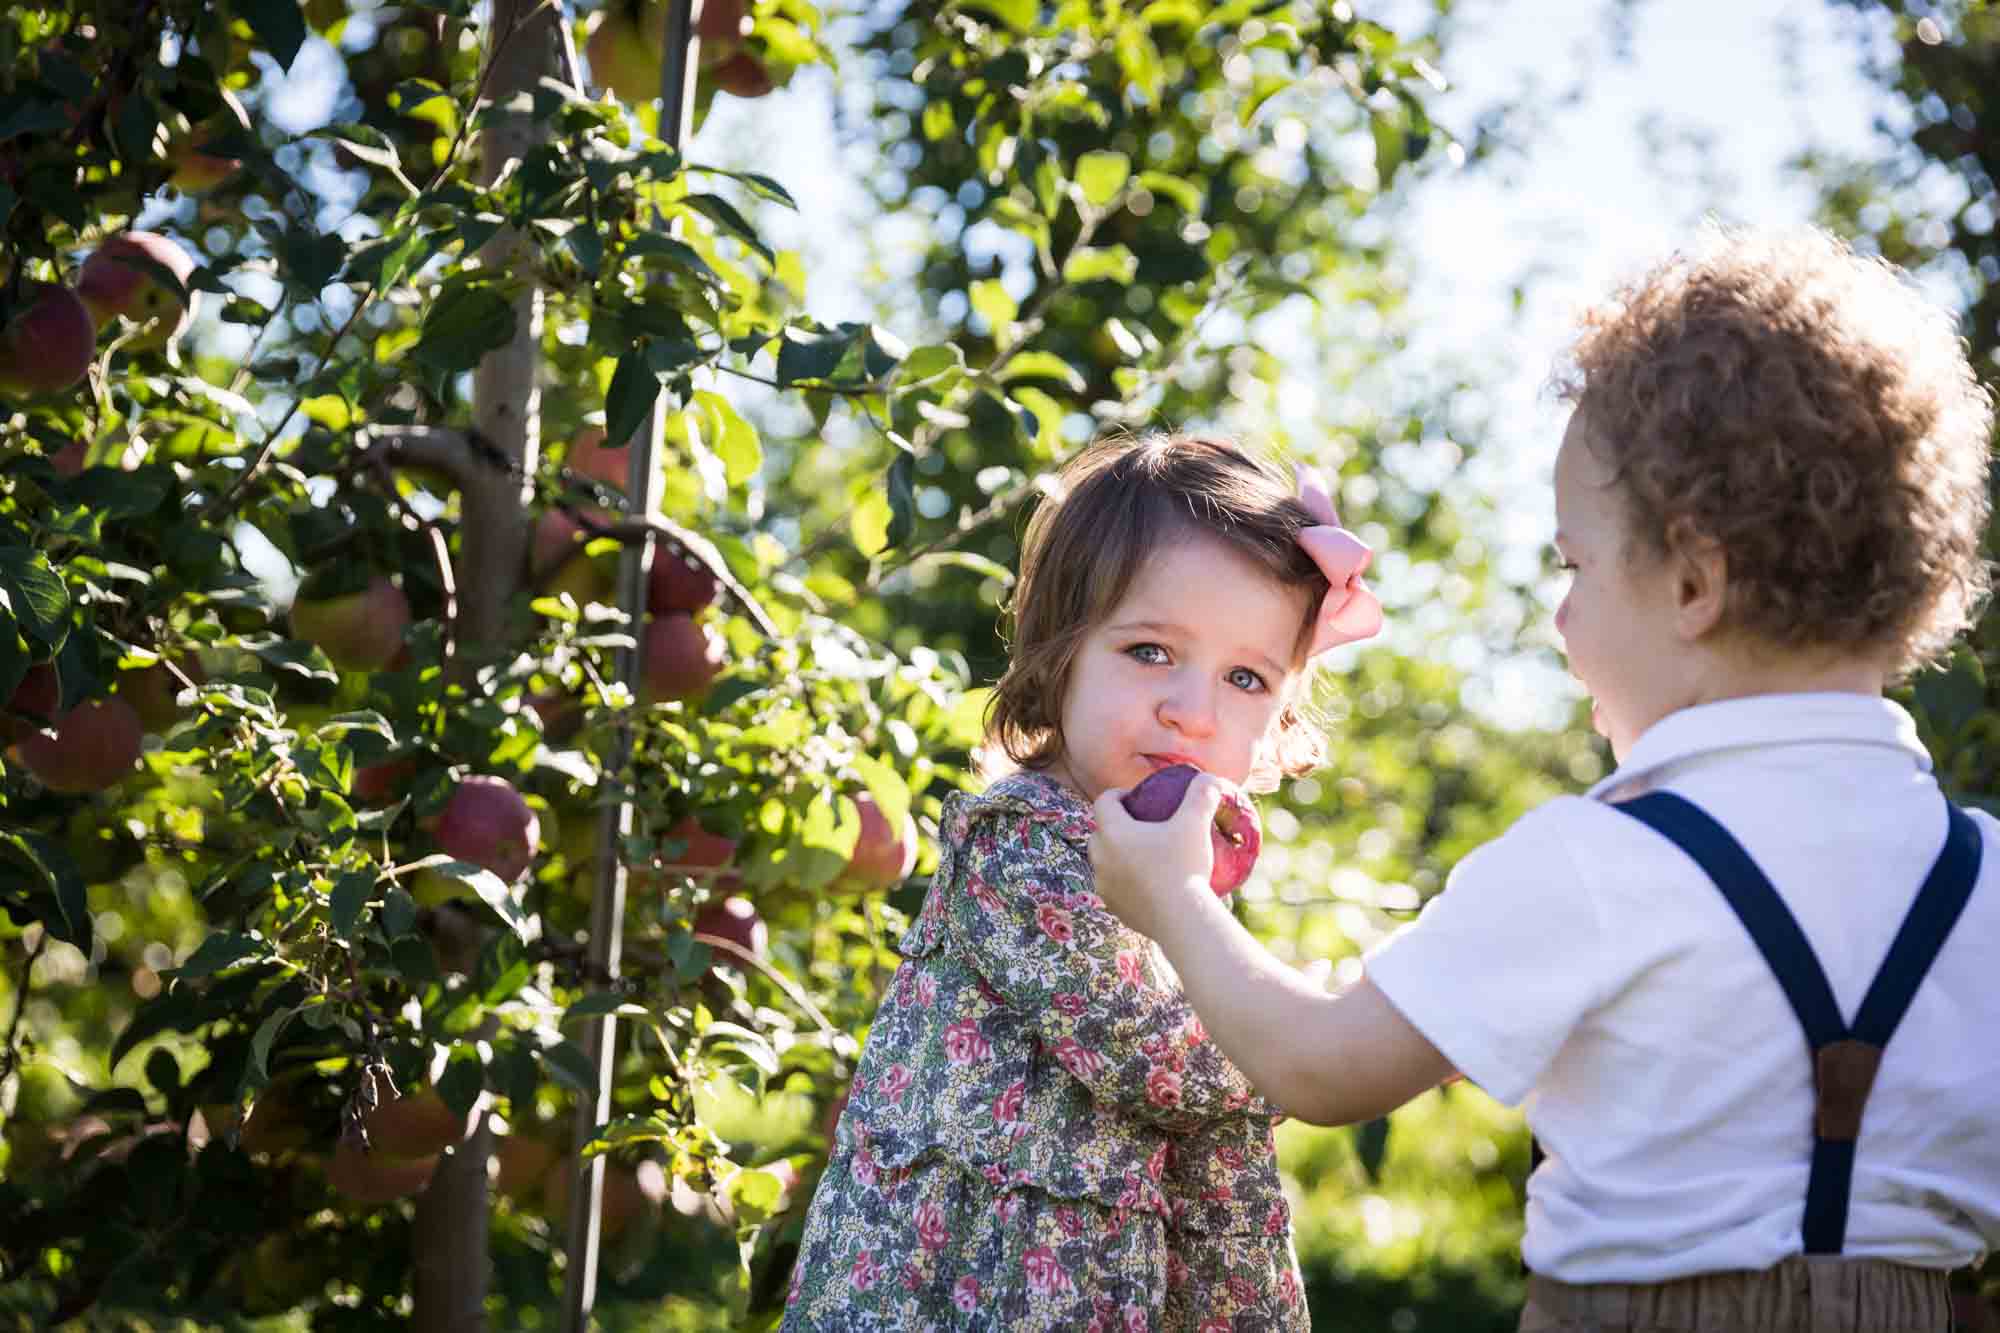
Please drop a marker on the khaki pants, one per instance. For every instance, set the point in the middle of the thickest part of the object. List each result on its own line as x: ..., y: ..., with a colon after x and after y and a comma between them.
x: 1821, y: 1294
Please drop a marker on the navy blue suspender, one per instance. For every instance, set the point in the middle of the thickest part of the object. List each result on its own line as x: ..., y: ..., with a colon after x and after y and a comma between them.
x: 1845, y: 1057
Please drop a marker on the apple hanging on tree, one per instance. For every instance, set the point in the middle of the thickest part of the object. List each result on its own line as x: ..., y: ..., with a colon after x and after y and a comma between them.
x: 116, y: 281
x: 94, y: 745
x: 488, y: 823
x: 358, y: 631
x: 48, y: 344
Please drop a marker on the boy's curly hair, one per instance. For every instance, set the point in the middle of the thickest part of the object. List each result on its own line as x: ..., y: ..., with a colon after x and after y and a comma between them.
x: 1807, y: 409
x: 1110, y: 508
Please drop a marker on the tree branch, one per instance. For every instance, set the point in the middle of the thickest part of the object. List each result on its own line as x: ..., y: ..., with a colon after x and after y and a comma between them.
x: 633, y: 528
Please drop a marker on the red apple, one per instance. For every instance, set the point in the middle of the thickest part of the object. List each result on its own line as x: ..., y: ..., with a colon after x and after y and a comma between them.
x: 742, y: 75
x: 735, y: 920
x: 47, y: 345
x: 68, y: 460
x: 487, y: 822
x: 374, y: 1178
x: 37, y: 697
x: 590, y: 456
x: 154, y: 691
x: 196, y: 172
x: 559, y: 564
x: 111, y: 286
x: 415, y: 1125
x: 375, y: 784
x: 701, y: 849
x: 360, y: 631
x: 682, y: 657
x: 678, y: 582
x: 521, y: 1162
x: 883, y: 856
x: 94, y: 745
x: 1236, y: 837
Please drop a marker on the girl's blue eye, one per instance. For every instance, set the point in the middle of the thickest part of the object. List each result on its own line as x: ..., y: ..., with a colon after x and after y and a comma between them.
x: 1243, y: 678
x: 1147, y: 652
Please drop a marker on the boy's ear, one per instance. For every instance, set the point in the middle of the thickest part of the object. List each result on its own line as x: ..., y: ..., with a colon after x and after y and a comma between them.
x: 1700, y: 570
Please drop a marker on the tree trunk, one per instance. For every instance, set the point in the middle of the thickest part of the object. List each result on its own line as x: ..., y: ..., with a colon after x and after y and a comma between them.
x: 451, y: 1265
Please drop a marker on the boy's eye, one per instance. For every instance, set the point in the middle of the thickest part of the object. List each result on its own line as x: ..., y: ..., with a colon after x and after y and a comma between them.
x: 1243, y: 678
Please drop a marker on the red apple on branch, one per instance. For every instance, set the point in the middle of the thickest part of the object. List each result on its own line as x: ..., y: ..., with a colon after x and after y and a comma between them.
x: 361, y: 631
x: 883, y: 855
x: 36, y: 698
x: 1236, y: 837
x: 376, y: 1178
x: 487, y: 822
x: 94, y: 745
x: 678, y: 582
x: 112, y: 285
x: 683, y: 656
x: 197, y: 172
x: 735, y: 920
x: 47, y: 345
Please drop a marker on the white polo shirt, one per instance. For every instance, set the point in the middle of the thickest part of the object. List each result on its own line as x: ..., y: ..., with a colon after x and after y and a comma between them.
x: 1583, y: 966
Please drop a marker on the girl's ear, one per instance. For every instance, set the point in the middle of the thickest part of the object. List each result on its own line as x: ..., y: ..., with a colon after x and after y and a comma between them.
x: 1700, y: 571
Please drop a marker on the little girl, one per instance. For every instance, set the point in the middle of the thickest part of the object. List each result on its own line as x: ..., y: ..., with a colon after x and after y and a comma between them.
x: 1744, y: 986
x: 1040, y: 1135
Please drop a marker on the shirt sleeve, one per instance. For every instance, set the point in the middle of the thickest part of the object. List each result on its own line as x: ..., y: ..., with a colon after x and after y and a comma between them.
x: 1088, y: 987
x: 1504, y: 963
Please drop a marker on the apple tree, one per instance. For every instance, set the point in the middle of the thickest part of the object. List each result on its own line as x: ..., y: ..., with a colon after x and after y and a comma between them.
x: 479, y: 658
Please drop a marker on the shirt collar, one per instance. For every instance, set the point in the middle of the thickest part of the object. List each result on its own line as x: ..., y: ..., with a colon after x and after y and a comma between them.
x: 1764, y: 720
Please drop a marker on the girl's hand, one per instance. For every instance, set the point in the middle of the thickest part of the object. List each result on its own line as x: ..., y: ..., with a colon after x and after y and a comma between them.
x: 1143, y: 870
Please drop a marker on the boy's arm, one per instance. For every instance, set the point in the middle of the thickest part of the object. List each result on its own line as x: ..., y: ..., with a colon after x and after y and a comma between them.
x: 1329, y: 1059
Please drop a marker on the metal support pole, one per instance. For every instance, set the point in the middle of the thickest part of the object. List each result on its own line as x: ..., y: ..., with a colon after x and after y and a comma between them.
x: 607, y: 909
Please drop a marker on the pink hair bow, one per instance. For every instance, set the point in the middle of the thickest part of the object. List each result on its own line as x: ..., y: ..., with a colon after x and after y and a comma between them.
x: 1349, y: 611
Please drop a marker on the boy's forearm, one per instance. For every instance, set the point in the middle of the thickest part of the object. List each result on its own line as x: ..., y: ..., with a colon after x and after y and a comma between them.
x: 1327, y: 1059
x: 1244, y: 996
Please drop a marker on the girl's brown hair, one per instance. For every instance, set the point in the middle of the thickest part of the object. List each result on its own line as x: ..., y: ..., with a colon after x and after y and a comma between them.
x: 1812, y: 413
x: 1111, y: 507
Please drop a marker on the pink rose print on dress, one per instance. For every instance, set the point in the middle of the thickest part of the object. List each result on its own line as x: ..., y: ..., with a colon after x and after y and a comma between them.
x: 913, y: 1281
x: 1177, y: 1270
x: 895, y: 1083
x: 1163, y: 1087
x: 930, y: 1225
x: 1236, y: 1101
x: 1229, y: 1157
x: 964, y: 1044
x: 1045, y: 1272
x: 1217, y: 1194
x: 994, y: 1175
x: 864, y: 1168
x: 1158, y: 1160
x: 926, y: 990
x: 1009, y: 1205
x: 1078, y: 1059
x: 1288, y: 1288
x: 1007, y: 1106
x: 987, y: 993
x: 1274, y: 1221
x: 1070, y: 1221
x: 866, y: 1271
x: 1070, y: 1003
x: 965, y: 1294
x: 1214, y: 1326
x: 1054, y: 923
x: 1242, y: 1290
x: 1082, y: 901
x: 1136, y: 1320
x: 982, y: 893
x: 1196, y: 1033
x: 1130, y: 970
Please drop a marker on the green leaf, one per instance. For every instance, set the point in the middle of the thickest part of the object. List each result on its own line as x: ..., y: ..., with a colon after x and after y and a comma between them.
x: 292, y: 655
x: 59, y: 877
x: 631, y: 396
x: 349, y: 896
x: 34, y: 593
x: 1101, y: 175
x: 260, y: 1044
x: 492, y: 890
x: 570, y: 1066
x: 734, y: 439
x: 1019, y: 15
x: 1045, y: 366
x: 991, y: 301
x: 220, y: 952
x: 902, y: 501
x: 869, y: 523
x: 279, y: 26
x: 1114, y: 263
x: 807, y: 354
x: 725, y: 216
x: 1187, y: 195
x: 467, y: 321
x: 1371, y: 1145
x: 886, y: 785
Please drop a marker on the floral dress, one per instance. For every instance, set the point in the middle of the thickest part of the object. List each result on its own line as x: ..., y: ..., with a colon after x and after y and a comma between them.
x: 1041, y: 1135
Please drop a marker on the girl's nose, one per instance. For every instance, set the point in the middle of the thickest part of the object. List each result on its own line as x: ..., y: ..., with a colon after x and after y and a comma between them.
x: 1189, y: 707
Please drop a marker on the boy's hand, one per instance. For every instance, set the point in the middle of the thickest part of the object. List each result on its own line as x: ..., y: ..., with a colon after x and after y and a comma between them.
x: 1144, y: 870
